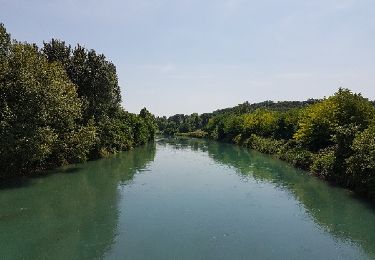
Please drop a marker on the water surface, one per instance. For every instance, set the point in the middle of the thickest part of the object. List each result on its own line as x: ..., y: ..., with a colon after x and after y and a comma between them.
x: 183, y: 199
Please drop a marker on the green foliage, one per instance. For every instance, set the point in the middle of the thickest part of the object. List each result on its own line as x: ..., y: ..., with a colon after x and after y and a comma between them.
x: 58, y: 51
x: 286, y: 125
x: 179, y: 123
x: 39, y: 110
x: 281, y: 106
x: 115, y: 134
x: 149, y: 121
x: 297, y: 155
x: 324, y: 162
x: 326, y: 136
x: 78, y: 144
x: 196, y: 134
x: 361, y: 165
x: 97, y: 86
x: 260, y: 122
x: 4, y: 42
x: 290, y: 151
x: 231, y: 120
x: 264, y: 145
x: 59, y: 106
x: 95, y: 77
x: 123, y: 131
x: 319, y: 121
x: 315, y: 128
x: 141, y: 134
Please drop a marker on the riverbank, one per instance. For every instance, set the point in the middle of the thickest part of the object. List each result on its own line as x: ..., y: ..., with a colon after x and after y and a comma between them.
x: 317, y: 164
x: 61, y: 105
x: 334, y: 137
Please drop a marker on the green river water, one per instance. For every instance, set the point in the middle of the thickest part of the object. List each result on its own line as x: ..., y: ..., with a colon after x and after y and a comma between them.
x: 183, y: 199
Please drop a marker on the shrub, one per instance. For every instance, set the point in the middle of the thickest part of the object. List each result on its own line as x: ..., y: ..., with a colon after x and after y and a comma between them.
x: 324, y: 163
x: 319, y: 122
x: 361, y: 165
x: 238, y: 139
x: 263, y: 145
x: 196, y: 134
x: 39, y: 110
x: 295, y: 154
x: 59, y: 107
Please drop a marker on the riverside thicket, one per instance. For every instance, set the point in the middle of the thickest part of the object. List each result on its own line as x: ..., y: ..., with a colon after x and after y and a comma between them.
x: 334, y: 137
x: 61, y: 105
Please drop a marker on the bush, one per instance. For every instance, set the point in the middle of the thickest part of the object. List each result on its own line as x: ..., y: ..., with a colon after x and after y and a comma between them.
x: 263, y: 145
x: 114, y: 135
x: 238, y: 139
x: 324, y: 163
x: 59, y: 107
x: 196, y: 134
x: 295, y: 154
x: 39, y: 110
x: 361, y: 165
x: 319, y: 122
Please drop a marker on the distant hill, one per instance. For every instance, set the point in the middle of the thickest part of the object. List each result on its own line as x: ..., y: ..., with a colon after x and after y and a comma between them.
x: 181, y: 123
x: 247, y: 107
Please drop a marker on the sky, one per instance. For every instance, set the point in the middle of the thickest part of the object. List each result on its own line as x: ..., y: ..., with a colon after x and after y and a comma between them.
x: 185, y: 56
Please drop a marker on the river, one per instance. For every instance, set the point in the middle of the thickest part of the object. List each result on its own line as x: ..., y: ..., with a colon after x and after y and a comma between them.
x: 181, y: 198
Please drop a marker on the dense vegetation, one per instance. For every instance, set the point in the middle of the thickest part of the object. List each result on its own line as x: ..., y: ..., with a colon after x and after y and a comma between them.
x: 60, y: 105
x: 334, y: 138
x: 181, y: 123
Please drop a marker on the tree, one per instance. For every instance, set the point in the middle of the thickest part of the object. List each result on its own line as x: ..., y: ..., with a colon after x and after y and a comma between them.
x: 115, y: 133
x: 59, y: 106
x: 58, y: 51
x: 95, y: 77
x: 150, y: 122
x: 4, y: 41
x: 261, y: 122
x: 361, y: 165
x: 39, y: 110
x: 319, y: 122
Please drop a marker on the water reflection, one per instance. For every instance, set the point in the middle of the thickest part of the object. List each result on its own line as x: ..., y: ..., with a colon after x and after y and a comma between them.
x: 182, y: 206
x: 334, y: 209
x: 74, y: 217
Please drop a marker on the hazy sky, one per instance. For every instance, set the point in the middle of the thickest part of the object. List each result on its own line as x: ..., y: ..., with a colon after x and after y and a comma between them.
x: 185, y: 56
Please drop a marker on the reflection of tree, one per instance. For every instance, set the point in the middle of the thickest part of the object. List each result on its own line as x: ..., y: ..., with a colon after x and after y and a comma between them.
x: 334, y: 209
x: 69, y: 215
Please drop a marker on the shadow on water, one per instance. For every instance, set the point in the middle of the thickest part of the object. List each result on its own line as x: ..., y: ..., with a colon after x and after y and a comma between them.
x: 71, y: 170
x: 14, y: 183
x: 70, y: 214
x: 334, y: 209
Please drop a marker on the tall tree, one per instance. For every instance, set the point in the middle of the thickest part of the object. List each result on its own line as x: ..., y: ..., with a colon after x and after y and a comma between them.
x: 95, y: 77
x: 40, y: 108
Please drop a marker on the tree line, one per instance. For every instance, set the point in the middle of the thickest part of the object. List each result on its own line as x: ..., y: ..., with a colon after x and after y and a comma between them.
x: 61, y: 105
x: 334, y: 137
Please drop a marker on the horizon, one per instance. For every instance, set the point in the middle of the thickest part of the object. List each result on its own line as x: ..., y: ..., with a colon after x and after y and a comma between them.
x: 231, y: 52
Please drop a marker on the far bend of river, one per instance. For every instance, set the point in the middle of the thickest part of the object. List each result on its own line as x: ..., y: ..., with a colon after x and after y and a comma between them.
x: 183, y: 199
